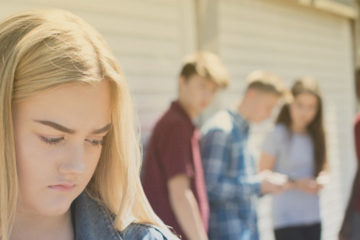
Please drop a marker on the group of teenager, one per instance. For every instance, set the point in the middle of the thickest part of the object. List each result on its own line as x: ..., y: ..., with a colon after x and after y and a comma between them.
x: 205, y: 183
x: 70, y: 156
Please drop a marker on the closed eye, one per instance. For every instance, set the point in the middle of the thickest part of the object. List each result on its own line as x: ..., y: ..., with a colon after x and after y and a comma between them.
x: 51, y: 141
x: 95, y: 142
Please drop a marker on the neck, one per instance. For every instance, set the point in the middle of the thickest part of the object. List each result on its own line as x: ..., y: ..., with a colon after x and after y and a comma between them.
x: 187, y: 109
x: 31, y: 227
x: 298, y: 129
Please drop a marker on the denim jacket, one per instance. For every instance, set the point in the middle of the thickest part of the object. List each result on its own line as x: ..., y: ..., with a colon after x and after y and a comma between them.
x: 91, y: 221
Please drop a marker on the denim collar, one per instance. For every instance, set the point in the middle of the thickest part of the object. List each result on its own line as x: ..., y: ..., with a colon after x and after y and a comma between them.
x: 92, y: 221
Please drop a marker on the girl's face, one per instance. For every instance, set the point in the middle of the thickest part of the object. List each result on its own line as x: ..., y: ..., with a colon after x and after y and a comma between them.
x: 58, y: 138
x: 303, y: 110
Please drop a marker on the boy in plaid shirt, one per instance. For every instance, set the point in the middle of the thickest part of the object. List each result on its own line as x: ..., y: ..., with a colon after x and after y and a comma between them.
x: 232, y: 183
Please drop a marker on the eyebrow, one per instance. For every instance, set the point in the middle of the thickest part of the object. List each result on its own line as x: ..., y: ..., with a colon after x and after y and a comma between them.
x: 68, y: 130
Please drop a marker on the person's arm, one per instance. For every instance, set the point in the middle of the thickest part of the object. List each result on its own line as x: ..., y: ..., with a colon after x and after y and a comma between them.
x: 175, y: 157
x: 266, y: 166
x: 315, y: 184
x: 266, y: 162
x: 270, y: 149
x: 324, y: 176
x: 308, y: 185
x: 185, y: 207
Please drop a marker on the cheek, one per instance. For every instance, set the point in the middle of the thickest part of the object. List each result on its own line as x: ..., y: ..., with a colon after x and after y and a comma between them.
x: 29, y: 154
x: 198, y: 97
x: 267, y: 113
x: 211, y: 96
x: 34, y: 167
x: 264, y: 109
x: 89, y: 172
x: 311, y: 115
x: 293, y: 113
x: 91, y: 161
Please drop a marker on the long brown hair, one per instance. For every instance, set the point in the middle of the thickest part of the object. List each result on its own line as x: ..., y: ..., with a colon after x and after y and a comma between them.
x: 316, y: 126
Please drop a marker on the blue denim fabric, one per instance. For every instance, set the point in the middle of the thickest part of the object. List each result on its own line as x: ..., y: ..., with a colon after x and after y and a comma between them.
x: 93, y: 222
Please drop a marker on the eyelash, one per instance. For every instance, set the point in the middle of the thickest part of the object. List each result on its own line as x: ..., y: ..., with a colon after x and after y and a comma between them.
x: 54, y: 141
x: 51, y: 141
x: 95, y: 142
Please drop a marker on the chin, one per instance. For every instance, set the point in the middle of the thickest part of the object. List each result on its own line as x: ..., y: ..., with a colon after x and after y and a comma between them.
x: 53, y: 211
x: 259, y: 120
x: 55, y: 207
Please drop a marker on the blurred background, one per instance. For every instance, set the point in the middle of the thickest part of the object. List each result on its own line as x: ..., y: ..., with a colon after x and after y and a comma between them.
x: 292, y: 38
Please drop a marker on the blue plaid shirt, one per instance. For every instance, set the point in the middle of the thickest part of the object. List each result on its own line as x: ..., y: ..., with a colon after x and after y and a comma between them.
x: 230, y: 174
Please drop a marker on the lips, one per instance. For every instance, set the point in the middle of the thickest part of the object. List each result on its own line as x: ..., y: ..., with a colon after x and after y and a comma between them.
x: 63, y: 187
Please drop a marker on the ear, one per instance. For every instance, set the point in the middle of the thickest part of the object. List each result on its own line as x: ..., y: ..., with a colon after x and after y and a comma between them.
x: 250, y: 93
x: 181, y: 81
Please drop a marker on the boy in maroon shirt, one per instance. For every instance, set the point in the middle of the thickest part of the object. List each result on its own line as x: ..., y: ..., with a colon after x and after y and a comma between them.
x: 173, y: 178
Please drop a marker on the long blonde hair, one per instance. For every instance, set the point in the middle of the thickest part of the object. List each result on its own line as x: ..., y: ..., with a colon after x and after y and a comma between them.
x: 41, y: 49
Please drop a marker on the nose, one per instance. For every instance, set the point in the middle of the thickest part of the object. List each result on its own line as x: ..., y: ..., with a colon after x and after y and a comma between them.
x: 74, y: 161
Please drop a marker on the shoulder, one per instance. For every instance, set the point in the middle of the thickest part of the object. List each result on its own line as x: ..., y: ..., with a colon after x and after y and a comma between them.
x: 280, y: 130
x: 222, y: 122
x: 139, y: 231
x: 172, y: 123
x: 278, y: 136
x: 93, y: 221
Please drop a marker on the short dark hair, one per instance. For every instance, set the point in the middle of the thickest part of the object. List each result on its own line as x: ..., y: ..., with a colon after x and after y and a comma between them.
x: 207, y: 65
x: 267, y: 82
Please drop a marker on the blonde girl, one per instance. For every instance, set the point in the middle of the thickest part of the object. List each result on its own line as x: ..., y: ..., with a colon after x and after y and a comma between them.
x: 69, y: 149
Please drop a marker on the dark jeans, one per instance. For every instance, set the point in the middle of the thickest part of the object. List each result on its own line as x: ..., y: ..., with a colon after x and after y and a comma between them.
x: 301, y: 232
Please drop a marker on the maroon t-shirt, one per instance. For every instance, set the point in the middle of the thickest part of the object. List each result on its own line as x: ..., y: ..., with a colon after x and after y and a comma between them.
x: 174, y: 149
